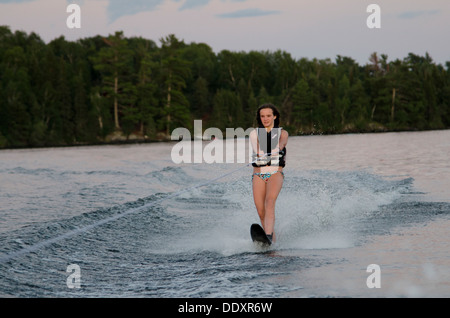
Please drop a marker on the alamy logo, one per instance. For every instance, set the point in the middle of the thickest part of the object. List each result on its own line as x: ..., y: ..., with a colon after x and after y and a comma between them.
x: 374, y: 20
x: 74, y: 279
x: 73, y: 20
x: 374, y: 279
x: 238, y: 146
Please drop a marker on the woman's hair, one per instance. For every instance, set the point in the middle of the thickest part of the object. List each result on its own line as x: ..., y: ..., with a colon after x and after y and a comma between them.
x: 275, y: 111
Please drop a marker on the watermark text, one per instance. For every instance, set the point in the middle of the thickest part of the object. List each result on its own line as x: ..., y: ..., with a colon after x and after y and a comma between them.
x: 74, y: 279
x: 374, y: 279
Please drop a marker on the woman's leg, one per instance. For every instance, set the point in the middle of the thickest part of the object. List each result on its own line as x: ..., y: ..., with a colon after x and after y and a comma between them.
x: 259, y: 196
x: 273, y: 188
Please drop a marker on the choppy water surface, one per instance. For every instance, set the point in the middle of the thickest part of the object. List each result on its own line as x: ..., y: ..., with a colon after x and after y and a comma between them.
x: 136, y: 226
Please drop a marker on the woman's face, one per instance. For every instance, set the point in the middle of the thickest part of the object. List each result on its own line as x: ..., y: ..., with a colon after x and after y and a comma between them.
x: 267, y: 117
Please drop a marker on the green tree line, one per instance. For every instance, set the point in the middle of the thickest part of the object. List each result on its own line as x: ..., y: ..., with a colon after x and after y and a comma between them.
x: 90, y: 90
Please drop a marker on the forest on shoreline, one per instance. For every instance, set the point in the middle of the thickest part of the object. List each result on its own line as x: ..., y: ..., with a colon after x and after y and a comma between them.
x: 112, y: 88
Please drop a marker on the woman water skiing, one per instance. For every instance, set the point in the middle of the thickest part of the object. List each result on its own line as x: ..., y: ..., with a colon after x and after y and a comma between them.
x: 269, y: 147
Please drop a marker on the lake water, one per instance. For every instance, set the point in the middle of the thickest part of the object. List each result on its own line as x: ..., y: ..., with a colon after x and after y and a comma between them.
x: 137, y: 225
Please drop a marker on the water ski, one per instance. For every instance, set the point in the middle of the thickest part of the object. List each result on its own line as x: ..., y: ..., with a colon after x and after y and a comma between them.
x: 258, y: 235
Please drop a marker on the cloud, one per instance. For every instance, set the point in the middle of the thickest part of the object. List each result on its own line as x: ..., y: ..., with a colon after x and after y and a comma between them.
x: 193, y: 4
x: 247, y: 13
x: 16, y: 1
x: 416, y: 14
x: 22, y: 1
x: 119, y: 8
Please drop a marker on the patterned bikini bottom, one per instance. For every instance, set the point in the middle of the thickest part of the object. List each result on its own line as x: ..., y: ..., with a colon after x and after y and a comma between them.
x: 266, y: 176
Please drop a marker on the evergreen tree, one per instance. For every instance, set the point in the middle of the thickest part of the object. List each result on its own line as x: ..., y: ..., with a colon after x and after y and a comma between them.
x: 343, y: 99
x: 444, y: 104
x: 17, y: 94
x: 302, y: 111
x: 174, y: 72
x: 113, y: 63
x: 357, y: 114
x: 227, y: 109
x: 143, y: 115
x: 200, y: 98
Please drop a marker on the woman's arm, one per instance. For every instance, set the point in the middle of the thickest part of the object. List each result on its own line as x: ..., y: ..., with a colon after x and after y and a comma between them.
x: 283, y: 139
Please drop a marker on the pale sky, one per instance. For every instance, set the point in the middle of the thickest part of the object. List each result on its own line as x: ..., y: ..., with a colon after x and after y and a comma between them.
x: 305, y: 28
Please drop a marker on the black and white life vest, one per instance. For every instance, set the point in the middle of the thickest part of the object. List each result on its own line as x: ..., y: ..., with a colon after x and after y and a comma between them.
x: 267, y: 142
